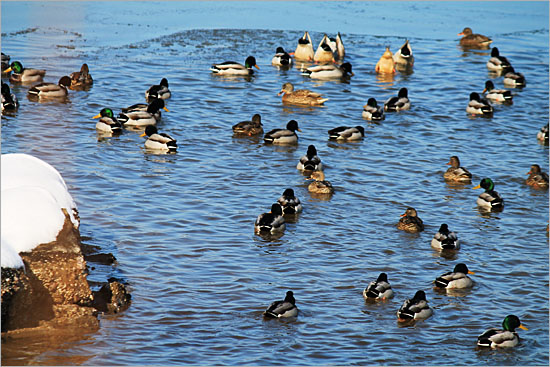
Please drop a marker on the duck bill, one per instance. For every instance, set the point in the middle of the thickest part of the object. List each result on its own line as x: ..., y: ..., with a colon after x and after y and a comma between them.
x: 402, y: 215
x: 448, y: 163
x: 7, y: 70
x: 523, y: 327
x: 477, y: 187
x: 97, y: 116
x: 142, y: 135
x: 299, y: 130
x: 484, y: 90
x: 165, y: 109
x: 460, y: 34
x: 470, y: 272
x: 257, y: 67
x: 528, y: 173
x: 281, y: 92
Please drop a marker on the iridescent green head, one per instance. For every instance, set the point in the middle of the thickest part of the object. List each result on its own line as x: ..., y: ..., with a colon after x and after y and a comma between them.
x: 16, y: 67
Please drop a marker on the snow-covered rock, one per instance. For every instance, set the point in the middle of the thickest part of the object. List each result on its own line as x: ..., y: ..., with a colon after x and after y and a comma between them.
x: 10, y: 257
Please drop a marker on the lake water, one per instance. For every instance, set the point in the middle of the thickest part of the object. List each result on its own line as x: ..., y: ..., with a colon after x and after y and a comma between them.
x: 181, y: 225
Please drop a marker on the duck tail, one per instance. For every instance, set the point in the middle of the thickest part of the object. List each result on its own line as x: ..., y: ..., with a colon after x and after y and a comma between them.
x: 123, y: 118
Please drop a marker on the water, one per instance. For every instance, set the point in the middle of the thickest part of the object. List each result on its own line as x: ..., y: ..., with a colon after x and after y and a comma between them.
x: 181, y: 226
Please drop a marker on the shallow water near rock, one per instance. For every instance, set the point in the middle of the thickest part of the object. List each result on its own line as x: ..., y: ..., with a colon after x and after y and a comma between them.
x: 181, y: 225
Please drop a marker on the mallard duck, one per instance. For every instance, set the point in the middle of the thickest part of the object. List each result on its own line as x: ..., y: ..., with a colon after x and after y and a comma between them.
x: 5, y: 62
x: 410, y: 222
x: 158, y: 141
x: 479, y: 106
x: 143, y: 118
x: 329, y: 71
x: 373, y: 112
x: 81, y: 78
x: 403, y: 57
x: 444, y: 239
x: 283, y: 136
x: 379, y: 289
x: 310, y: 161
x: 51, y: 90
x: 502, y: 338
x: 283, y: 308
x: 324, y: 52
x: 498, y: 63
x: 513, y: 79
x: 415, y: 308
x: 537, y: 178
x: 107, y: 121
x: 9, y: 100
x: 473, y: 40
x: 144, y: 106
x: 385, y: 65
x: 271, y: 222
x: 497, y: 95
x: 320, y: 185
x: 234, y: 68
x: 159, y: 91
x: 253, y: 127
x: 399, y: 103
x: 301, y: 96
x: 281, y: 58
x: 343, y: 133
x: 24, y: 75
x: 456, y: 279
x: 489, y: 199
x: 456, y: 173
x: 289, y: 202
x: 304, y: 50
x: 543, y: 135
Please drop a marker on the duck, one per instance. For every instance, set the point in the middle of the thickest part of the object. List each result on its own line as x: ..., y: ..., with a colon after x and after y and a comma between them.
x: 144, y: 106
x: 329, y: 71
x: 410, y: 222
x: 252, y: 127
x: 457, y: 279
x: 5, y: 62
x: 444, y: 239
x: 385, y: 65
x: 456, y: 173
x: 513, y: 79
x: 272, y: 222
x: 346, y: 133
x: 283, y: 136
x: 289, y: 202
x: 497, y: 95
x: 479, y: 106
x: 281, y: 58
x: 319, y: 185
x: 283, y: 308
x: 502, y: 338
x: 81, y: 78
x: 373, y: 112
x: 489, y: 199
x: 399, y: 103
x: 160, y: 91
x: 310, y: 161
x: 403, y: 58
x: 234, y: 68
x: 542, y: 135
x: 107, y: 121
x: 158, y: 141
x: 416, y: 308
x: 498, y: 63
x: 324, y: 52
x: 9, y: 100
x: 51, y: 90
x: 304, y: 50
x: 379, y: 289
x: 300, y: 96
x: 473, y: 40
x: 537, y: 178
x: 140, y: 118
x: 24, y: 75
x: 340, y: 49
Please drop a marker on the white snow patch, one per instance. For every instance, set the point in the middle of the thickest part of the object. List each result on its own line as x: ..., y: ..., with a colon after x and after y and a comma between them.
x: 10, y: 257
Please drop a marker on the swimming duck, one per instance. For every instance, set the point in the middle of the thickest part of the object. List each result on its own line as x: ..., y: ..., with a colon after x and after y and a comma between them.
x: 9, y: 100
x: 399, y: 103
x: 81, y: 78
x: 283, y: 308
x: 301, y: 96
x: 283, y: 136
x: 324, y: 52
x: 304, y: 50
x: 403, y: 57
x: 24, y: 75
x: 410, y: 222
x: 159, y: 91
x: 253, y: 127
x: 543, y: 135
x: 379, y: 289
x: 281, y: 58
x: 456, y: 173
x: 329, y: 71
x: 320, y: 185
x: 498, y: 63
x: 158, y: 141
x: 473, y: 40
x: 456, y: 279
x: 144, y: 106
x: 479, y: 106
x: 51, y: 90
x: 537, y: 178
x: 141, y: 118
x: 502, y: 338
x: 310, y: 161
x: 489, y: 199
x: 385, y: 65
x: 289, y: 202
x: 373, y: 112
x: 444, y: 239
x: 271, y: 222
x: 234, y: 68
x: 415, y: 308
x: 5, y: 62
x: 513, y: 79
x: 345, y: 133
x: 497, y: 95
x: 107, y: 121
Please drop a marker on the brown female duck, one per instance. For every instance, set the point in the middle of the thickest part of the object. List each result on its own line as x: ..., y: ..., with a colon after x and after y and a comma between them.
x: 410, y: 222
x: 301, y: 96
x: 537, y: 179
x: 456, y: 173
x: 473, y: 40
